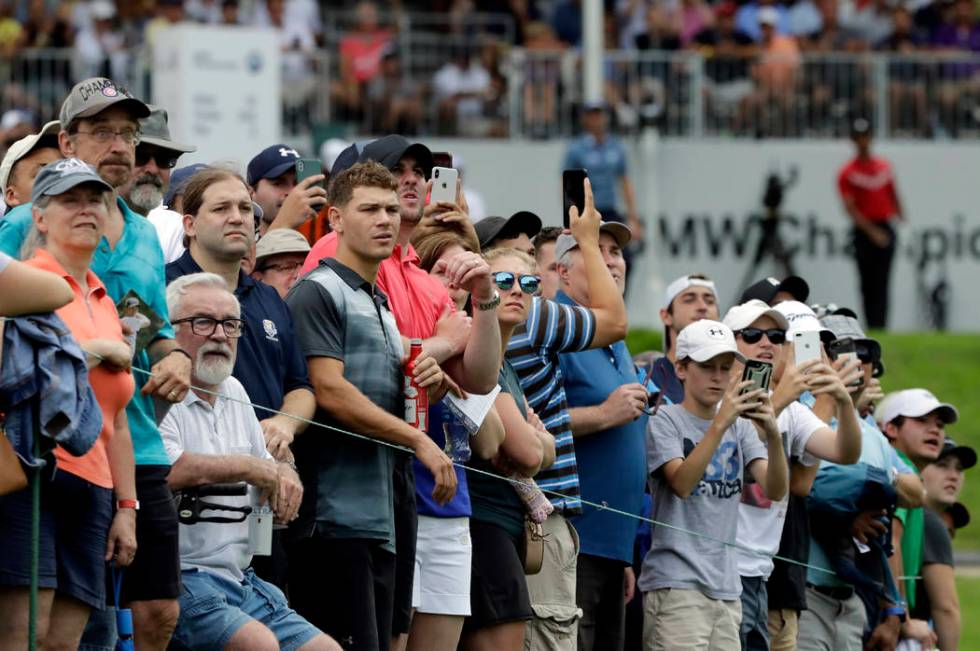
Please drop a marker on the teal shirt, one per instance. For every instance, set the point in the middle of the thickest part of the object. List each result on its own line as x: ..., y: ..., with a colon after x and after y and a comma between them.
x: 135, y: 264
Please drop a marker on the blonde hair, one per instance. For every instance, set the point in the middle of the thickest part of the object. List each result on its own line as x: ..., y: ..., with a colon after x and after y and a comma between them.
x: 496, y: 254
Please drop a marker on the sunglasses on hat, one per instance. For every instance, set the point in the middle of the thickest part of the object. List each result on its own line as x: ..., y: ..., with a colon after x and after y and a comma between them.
x: 505, y: 280
x: 754, y: 335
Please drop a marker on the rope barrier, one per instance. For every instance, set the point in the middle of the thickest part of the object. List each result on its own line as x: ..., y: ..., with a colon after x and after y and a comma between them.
x: 600, y: 506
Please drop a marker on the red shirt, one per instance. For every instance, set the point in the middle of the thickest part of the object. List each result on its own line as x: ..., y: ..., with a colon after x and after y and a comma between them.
x: 364, y: 53
x: 871, y: 184
x: 416, y: 299
x: 92, y: 316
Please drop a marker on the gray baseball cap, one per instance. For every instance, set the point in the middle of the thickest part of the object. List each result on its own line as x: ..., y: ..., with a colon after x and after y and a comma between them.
x: 63, y: 175
x: 619, y: 232
x: 94, y: 95
x: 154, y: 131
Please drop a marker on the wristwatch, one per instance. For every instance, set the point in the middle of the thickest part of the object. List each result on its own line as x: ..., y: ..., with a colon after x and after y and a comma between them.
x: 128, y: 504
x: 489, y: 305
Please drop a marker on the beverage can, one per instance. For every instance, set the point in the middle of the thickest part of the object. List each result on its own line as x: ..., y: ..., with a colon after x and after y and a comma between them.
x: 416, y: 399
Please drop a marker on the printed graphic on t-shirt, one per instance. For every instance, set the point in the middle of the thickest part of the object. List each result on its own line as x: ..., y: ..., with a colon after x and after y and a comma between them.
x: 722, y: 478
x: 753, y: 495
x: 140, y: 323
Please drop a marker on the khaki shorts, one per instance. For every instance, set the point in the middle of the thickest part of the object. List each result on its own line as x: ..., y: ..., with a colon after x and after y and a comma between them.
x: 556, y: 614
x: 784, y: 626
x: 687, y: 620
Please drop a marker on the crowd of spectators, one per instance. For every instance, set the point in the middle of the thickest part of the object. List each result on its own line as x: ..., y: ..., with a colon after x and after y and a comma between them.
x: 449, y: 62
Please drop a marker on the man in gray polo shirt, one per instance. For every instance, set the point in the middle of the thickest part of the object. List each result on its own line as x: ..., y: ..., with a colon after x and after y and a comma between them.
x: 344, y: 535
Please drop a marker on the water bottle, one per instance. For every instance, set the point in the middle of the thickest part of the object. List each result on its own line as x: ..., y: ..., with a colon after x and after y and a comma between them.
x: 416, y: 399
x: 124, y: 629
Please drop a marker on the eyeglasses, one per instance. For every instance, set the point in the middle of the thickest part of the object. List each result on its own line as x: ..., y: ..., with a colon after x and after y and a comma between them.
x: 205, y: 326
x: 282, y: 267
x: 104, y: 135
x: 505, y: 281
x: 754, y: 335
x: 164, y: 160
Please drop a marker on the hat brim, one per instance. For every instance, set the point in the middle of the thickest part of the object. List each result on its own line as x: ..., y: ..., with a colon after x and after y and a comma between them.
x: 948, y: 414
x: 966, y: 455
x: 66, y: 184
x: 422, y: 154
x: 169, y: 145
x: 522, y: 221
x: 278, y: 170
x: 290, y: 248
x: 619, y: 232
x: 709, y: 352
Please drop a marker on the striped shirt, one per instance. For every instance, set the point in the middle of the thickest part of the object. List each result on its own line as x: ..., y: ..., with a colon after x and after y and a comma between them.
x: 552, y: 328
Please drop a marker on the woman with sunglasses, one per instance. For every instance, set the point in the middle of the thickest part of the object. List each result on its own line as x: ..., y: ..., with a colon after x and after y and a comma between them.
x: 500, y: 602
x: 81, y: 528
x: 761, y: 334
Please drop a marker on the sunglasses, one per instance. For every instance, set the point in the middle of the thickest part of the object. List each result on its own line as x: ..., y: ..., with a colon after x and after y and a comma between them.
x: 505, y: 281
x: 754, y: 335
x: 164, y: 160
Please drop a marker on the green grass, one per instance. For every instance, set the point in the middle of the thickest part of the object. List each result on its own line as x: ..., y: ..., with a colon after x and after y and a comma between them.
x: 968, y: 590
x: 949, y: 366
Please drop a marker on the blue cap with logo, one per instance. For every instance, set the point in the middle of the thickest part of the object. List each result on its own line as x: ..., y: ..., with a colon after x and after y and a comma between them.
x: 271, y: 163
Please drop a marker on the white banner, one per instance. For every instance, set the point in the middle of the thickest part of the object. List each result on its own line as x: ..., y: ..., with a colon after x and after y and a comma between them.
x: 702, y: 204
x: 221, y: 88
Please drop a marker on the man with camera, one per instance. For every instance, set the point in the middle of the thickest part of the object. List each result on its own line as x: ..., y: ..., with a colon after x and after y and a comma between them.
x: 213, y: 437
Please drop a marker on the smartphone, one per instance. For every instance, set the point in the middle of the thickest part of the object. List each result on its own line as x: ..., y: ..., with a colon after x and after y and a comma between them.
x: 442, y: 159
x: 844, y: 348
x: 307, y: 167
x: 806, y: 346
x: 759, y: 372
x: 573, y: 192
x: 443, y: 185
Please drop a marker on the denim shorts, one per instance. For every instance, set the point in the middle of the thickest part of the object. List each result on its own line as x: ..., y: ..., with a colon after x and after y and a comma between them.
x: 213, y: 608
x: 74, y: 524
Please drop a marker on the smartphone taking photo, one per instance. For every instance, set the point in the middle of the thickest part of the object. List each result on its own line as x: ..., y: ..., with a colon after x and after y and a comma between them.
x: 759, y: 373
x: 573, y: 192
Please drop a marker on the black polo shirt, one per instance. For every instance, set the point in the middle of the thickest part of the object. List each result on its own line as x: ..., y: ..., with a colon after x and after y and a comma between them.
x: 270, y: 363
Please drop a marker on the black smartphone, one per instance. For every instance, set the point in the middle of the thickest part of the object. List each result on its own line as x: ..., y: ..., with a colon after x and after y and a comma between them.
x: 442, y: 159
x: 759, y: 372
x: 573, y: 192
x: 847, y: 348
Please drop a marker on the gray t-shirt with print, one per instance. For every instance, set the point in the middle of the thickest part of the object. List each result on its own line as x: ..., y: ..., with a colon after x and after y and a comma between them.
x: 680, y: 560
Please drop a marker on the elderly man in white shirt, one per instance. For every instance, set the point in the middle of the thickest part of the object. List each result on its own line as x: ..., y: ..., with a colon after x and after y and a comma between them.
x: 213, y: 437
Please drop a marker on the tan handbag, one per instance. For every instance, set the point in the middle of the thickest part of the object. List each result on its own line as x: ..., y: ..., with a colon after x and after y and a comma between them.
x: 533, y: 546
x: 12, y: 477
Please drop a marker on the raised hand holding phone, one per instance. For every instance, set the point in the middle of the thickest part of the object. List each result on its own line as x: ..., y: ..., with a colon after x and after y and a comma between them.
x: 572, y: 192
x: 585, y: 225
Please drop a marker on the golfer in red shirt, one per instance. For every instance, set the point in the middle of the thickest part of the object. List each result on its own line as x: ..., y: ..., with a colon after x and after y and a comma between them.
x: 867, y: 188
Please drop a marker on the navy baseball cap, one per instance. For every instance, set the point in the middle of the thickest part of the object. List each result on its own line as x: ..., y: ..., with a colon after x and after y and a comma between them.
x: 271, y: 163
x: 179, y: 179
x: 346, y: 159
x: 390, y: 149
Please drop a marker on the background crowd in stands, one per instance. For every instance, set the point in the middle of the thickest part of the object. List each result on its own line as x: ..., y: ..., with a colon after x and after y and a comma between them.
x: 447, y: 65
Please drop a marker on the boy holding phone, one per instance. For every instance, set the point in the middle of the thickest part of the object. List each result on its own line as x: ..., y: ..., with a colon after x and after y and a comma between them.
x: 762, y: 334
x: 697, y: 455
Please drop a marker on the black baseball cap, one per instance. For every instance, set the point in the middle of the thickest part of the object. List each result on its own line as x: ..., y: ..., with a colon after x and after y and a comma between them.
x: 390, y: 149
x: 490, y: 229
x: 271, y: 163
x: 966, y: 454
x: 766, y: 289
x: 959, y: 514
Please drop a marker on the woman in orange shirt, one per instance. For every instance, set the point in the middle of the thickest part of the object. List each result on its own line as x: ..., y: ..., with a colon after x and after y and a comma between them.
x: 80, y: 529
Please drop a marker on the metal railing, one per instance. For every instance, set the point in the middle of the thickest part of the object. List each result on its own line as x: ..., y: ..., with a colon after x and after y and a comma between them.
x: 537, y: 94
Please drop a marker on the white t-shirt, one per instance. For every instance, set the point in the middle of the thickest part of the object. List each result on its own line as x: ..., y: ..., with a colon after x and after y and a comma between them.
x: 170, y: 231
x: 229, y: 427
x: 760, y: 520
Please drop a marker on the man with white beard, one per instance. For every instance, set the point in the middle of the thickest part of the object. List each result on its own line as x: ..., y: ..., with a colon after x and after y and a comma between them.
x: 213, y: 437
x: 156, y: 157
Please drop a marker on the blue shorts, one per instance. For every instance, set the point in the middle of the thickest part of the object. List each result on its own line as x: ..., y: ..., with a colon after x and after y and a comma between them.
x: 74, y: 524
x: 212, y: 609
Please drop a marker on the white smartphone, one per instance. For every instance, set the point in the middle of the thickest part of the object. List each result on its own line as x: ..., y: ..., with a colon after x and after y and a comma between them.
x: 806, y: 346
x: 443, y: 185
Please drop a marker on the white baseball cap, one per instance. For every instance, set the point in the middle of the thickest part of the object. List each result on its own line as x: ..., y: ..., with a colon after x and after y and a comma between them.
x: 913, y: 403
x: 23, y: 147
x: 800, y: 318
x: 706, y: 339
x: 744, y: 315
x: 684, y: 282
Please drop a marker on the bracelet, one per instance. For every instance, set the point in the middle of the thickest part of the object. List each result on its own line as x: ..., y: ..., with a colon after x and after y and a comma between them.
x: 898, y: 611
x: 489, y: 305
x: 182, y: 352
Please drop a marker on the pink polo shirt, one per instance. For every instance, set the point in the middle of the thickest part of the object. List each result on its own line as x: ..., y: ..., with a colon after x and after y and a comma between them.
x: 416, y: 299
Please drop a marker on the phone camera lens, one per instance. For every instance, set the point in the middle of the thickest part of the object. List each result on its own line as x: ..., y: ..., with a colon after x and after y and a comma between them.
x: 437, y: 173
